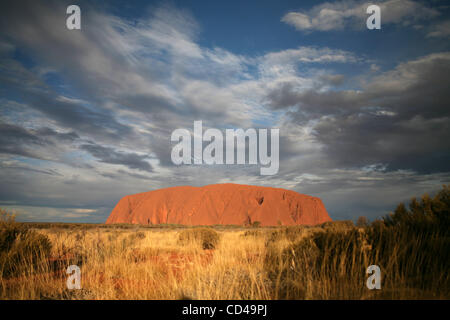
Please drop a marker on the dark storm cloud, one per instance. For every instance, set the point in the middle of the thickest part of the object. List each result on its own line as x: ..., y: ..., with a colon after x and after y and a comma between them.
x: 313, y: 103
x: 359, y: 140
x: 50, y: 133
x: 400, y: 118
x: 109, y: 155
x: 133, y: 175
x: 333, y: 79
x: 23, y: 168
x: 33, y: 143
x: 18, y: 81
x: 16, y: 140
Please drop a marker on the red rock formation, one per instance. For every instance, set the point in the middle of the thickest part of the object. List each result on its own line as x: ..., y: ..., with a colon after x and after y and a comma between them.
x: 220, y: 204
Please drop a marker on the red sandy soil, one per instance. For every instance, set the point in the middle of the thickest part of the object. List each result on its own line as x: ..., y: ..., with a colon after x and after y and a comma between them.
x: 226, y: 204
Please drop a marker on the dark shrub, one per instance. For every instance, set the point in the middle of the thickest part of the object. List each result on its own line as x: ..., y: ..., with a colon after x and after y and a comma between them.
x: 291, y: 233
x: 362, y: 222
x: 252, y: 233
x: 338, y: 225
x: 21, y: 250
x: 325, y: 257
x: 206, y: 237
x: 139, y: 235
x: 411, y: 246
x: 256, y: 224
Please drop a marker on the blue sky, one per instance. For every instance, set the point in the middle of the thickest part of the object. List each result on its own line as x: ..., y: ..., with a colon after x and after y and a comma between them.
x: 86, y: 115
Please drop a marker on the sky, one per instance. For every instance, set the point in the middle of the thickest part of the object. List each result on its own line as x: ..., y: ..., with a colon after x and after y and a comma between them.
x: 86, y: 115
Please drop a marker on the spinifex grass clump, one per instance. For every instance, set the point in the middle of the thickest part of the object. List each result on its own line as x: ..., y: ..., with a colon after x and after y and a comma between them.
x: 206, y: 237
x: 338, y: 225
x: 253, y: 233
x: 291, y: 233
x: 22, y: 251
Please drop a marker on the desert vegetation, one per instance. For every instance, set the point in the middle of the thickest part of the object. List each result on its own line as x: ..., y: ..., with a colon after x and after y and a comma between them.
x: 329, y: 261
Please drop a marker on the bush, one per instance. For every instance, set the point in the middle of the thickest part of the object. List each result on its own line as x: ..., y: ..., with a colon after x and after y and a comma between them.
x: 291, y: 233
x: 252, y: 233
x: 206, y: 237
x: 139, y: 235
x: 256, y: 224
x: 9, y: 231
x: 429, y: 215
x: 362, y: 222
x: 21, y: 250
x: 8, y: 234
x: 343, y: 225
x: 410, y: 246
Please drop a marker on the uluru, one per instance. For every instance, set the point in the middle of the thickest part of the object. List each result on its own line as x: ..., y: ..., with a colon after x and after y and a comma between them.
x: 226, y: 204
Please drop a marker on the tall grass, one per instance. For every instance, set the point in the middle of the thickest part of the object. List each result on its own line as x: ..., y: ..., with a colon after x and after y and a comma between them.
x: 329, y: 261
x: 22, y: 251
x: 412, y: 248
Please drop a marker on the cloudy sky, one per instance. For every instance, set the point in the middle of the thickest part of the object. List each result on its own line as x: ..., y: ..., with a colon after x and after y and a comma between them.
x: 86, y: 115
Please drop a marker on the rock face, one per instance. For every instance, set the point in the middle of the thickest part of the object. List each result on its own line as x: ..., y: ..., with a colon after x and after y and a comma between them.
x: 220, y: 204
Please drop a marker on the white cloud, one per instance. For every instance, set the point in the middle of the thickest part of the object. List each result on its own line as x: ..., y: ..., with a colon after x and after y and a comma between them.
x: 352, y: 14
x: 310, y: 55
